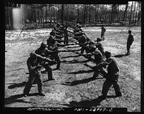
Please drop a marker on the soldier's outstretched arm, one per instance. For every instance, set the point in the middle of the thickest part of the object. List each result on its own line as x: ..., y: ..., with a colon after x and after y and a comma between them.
x: 43, y: 58
x: 100, y: 65
x: 59, y: 44
x: 49, y: 51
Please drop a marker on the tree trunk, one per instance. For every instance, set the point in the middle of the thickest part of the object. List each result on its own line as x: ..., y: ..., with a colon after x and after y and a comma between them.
x: 62, y: 12
x: 136, y: 17
x: 130, y: 17
x: 46, y: 16
x: 42, y: 16
x: 118, y: 14
x: 89, y: 14
x: 125, y: 12
x: 50, y: 14
x: 84, y: 13
x: 139, y: 13
x: 111, y: 15
x: 68, y: 13
x: 95, y: 15
x: 36, y: 17
x: 78, y: 14
x: 10, y: 18
x: 53, y: 14
x: 134, y: 13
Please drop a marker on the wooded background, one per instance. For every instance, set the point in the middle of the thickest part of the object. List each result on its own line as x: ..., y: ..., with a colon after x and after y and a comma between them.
x: 45, y: 15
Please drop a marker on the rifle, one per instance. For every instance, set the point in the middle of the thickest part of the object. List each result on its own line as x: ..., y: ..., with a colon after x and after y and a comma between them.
x: 44, y: 58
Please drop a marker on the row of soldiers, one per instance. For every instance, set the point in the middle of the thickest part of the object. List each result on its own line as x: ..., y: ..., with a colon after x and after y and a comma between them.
x: 47, y: 55
x: 105, y: 64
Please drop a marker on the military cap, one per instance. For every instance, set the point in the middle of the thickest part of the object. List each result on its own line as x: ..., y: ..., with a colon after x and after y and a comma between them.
x: 107, y: 53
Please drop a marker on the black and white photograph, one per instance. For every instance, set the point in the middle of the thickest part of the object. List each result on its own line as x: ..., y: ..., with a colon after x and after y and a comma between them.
x: 84, y: 57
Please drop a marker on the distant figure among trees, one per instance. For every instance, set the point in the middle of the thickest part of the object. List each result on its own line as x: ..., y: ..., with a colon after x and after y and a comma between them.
x: 103, y: 30
x: 129, y: 42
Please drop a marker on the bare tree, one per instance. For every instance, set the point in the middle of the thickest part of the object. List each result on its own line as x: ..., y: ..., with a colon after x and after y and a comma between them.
x: 89, y: 17
x: 125, y: 12
x: 130, y: 17
x: 62, y: 12
x: 84, y: 14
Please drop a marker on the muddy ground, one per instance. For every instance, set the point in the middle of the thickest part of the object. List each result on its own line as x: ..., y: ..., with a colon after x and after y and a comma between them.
x: 73, y: 86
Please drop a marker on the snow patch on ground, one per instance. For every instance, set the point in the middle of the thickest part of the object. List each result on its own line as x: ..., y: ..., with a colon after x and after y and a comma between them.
x: 113, y: 51
x: 112, y: 29
x: 58, y: 96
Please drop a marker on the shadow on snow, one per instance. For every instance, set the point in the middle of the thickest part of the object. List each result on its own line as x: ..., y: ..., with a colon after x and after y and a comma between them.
x: 14, y: 98
x: 81, y: 71
x: 74, y: 61
x: 17, y: 85
x: 119, y: 55
x: 87, y: 103
x: 80, y: 81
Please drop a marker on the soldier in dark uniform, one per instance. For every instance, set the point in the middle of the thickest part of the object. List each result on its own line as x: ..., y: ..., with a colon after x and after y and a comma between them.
x: 46, y: 65
x: 98, y: 59
x: 52, y: 33
x: 59, y: 36
x: 111, y: 75
x: 99, y: 45
x: 79, y: 27
x: 65, y: 35
x: 34, y: 73
x: 129, y: 42
x: 53, y: 50
x: 103, y: 30
x: 57, y: 25
x: 77, y: 30
x: 82, y: 40
x: 40, y: 49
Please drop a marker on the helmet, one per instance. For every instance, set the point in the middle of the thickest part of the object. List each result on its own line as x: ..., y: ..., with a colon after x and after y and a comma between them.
x: 107, y: 54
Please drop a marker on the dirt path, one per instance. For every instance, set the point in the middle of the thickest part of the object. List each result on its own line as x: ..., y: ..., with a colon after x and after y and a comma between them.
x: 73, y: 86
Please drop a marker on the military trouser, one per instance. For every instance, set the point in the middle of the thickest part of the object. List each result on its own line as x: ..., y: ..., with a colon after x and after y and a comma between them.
x: 33, y: 76
x: 111, y: 79
x: 49, y: 70
x: 107, y: 84
x: 102, y: 36
x: 56, y: 58
x: 128, y: 47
